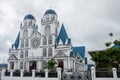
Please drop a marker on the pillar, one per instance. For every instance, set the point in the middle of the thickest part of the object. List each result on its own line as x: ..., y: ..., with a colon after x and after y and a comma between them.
x: 8, y: 65
x: 46, y: 73
x: 11, y: 74
x: 2, y: 74
x: 93, y: 74
x: 68, y: 63
x: 33, y: 73
x: 28, y: 66
x: 74, y: 66
x: 59, y: 73
x: 114, y: 74
x: 21, y: 73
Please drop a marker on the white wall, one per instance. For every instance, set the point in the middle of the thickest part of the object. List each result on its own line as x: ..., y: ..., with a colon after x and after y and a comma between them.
x: 29, y: 78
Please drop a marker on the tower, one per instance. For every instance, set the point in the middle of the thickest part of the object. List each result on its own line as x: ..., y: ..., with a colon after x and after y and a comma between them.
x: 49, y: 30
x: 26, y: 29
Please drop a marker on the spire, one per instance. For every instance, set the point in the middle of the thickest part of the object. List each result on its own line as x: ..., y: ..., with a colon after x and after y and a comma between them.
x: 16, y: 44
x: 62, y: 35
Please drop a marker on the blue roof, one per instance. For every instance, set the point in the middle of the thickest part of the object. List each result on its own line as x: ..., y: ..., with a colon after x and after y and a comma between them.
x: 116, y: 46
x: 4, y: 65
x: 79, y: 50
x: 63, y: 36
x: 50, y: 11
x: 16, y: 44
x: 29, y: 16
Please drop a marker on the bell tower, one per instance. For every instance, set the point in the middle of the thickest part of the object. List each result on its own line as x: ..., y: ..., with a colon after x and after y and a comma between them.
x: 29, y: 24
x: 49, y: 30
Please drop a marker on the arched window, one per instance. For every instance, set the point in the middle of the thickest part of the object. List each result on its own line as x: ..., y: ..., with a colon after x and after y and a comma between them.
x: 27, y: 42
x: 44, y: 52
x: 44, y: 40
x: 52, y: 18
x: 50, y: 52
x: 22, y: 43
x: 50, y: 40
x: 25, y: 33
x: 47, y: 29
x: 26, y: 53
x: 30, y: 22
x: 25, y: 65
x: 21, y: 65
x: 21, y: 54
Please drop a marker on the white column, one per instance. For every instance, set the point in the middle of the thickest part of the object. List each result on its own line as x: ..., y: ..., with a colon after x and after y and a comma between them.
x: 114, y: 74
x: 28, y: 65
x: 40, y: 64
x: 14, y: 65
x: 46, y: 73
x: 23, y: 65
x: 59, y: 73
x: 2, y: 74
x: 33, y: 73
x: 21, y: 73
x: 8, y: 65
x: 74, y: 66
x: 93, y: 74
x: 11, y: 74
x: 18, y: 64
x: 68, y: 63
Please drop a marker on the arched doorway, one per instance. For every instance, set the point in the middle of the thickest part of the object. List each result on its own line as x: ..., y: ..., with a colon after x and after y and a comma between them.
x: 61, y: 64
x: 11, y: 65
x: 32, y: 65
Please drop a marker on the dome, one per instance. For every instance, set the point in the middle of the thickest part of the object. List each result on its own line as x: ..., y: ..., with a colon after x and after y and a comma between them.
x: 29, y: 16
x: 50, y: 11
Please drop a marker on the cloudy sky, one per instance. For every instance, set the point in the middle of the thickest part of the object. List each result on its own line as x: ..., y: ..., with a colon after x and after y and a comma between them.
x: 87, y: 22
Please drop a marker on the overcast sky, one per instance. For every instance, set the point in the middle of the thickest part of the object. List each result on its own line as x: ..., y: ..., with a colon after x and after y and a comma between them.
x: 87, y: 22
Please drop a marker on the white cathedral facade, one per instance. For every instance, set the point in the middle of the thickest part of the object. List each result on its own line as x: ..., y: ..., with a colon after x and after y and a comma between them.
x: 32, y: 49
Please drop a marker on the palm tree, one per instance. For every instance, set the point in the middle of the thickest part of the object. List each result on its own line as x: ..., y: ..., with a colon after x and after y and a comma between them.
x: 51, y: 64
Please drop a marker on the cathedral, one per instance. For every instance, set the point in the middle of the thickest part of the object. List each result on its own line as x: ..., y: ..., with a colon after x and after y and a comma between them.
x: 32, y: 48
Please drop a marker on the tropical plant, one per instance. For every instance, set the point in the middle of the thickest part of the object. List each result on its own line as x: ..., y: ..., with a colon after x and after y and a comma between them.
x: 51, y: 64
x: 109, y: 57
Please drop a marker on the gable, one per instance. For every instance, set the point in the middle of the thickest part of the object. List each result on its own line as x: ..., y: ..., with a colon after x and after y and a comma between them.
x: 60, y: 54
x: 80, y: 50
x: 12, y: 57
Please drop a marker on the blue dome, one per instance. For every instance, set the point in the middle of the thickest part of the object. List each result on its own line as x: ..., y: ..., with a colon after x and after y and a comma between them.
x: 50, y: 11
x: 29, y: 16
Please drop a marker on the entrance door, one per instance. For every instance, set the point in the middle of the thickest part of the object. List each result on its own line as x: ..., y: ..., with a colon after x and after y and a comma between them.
x: 32, y: 65
x: 11, y: 65
x: 60, y: 64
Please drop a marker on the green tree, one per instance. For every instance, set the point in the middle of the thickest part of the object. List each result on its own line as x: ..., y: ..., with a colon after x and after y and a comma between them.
x: 110, y: 57
x: 51, y: 64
